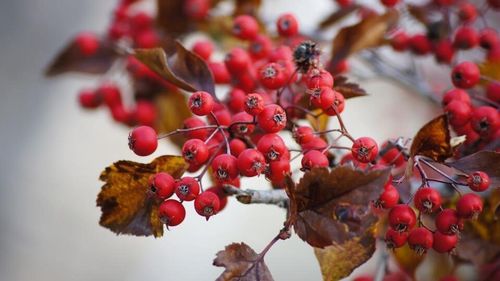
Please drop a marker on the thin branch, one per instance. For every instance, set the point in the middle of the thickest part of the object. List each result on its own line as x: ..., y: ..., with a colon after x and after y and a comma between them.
x: 276, y: 197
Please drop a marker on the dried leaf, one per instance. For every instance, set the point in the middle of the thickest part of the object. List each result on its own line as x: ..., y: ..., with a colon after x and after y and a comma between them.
x: 180, y: 67
x: 348, y: 89
x: 339, y: 261
x: 490, y: 69
x: 367, y: 33
x: 246, y: 7
x: 237, y: 259
x: 420, y: 13
x: 486, y: 161
x: 337, y: 16
x: 125, y: 204
x: 433, y: 140
x: 329, y: 207
x: 171, y: 17
x: 172, y: 111
x: 70, y: 59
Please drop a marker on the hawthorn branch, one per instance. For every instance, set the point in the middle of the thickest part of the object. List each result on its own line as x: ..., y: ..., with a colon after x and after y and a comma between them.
x: 276, y: 197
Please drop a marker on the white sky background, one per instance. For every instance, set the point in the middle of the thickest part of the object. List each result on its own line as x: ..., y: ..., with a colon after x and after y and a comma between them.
x: 53, y: 151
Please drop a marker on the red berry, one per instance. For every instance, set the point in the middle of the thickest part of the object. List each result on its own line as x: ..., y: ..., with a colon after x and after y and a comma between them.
x: 171, y: 212
x: 402, y: 218
x: 467, y: 12
x: 465, y: 75
x: 225, y: 168
x: 260, y: 47
x: 195, y: 122
x: 389, y: 3
x: 287, y: 25
x: 456, y: 94
x: 420, y: 44
x: 201, y: 103
x: 237, y: 61
x: 89, y: 99
x: 420, y: 240
x: 272, y: 76
x: 145, y: 113
x: 448, y: 222
x: 314, y: 159
x: 120, y: 114
x: 187, y: 188
x: 204, y: 49
x: 336, y: 106
x: 303, y: 134
x: 466, y: 37
x: 245, y: 27
x: 207, y: 204
x: 272, y: 146
x: 143, y: 140
x: 162, y: 185
x: 444, y: 51
x: 87, y: 43
x: 344, y: 3
x: 222, y: 117
x: 485, y: 120
x: 469, y: 206
x: 493, y: 91
x: 392, y: 156
x: 400, y: 41
x: 242, y: 123
x: 488, y: 38
x: 364, y: 149
x: 237, y: 146
x: 219, y: 191
x: 195, y: 151
x: 444, y: 243
x: 478, y: 181
x: 318, y: 78
x: 147, y: 39
x: 316, y: 143
x: 459, y: 113
x: 141, y: 20
x: 251, y: 163
x: 236, y: 100
x: 111, y: 94
x: 272, y: 119
x: 389, y: 198
x: 395, y: 239
x: 196, y: 9
x: 277, y: 171
x: 220, y: 73
x: 427, y: 200
x: 323, y: 95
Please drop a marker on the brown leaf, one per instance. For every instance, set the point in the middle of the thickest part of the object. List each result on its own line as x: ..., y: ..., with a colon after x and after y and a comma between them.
x: 337, y: 15
x: 171, y: 17
x: 246, y: 7
x: 180, y: 67
x: 70, y: 59
x: 420, y: 13
x: 339, y: 261
x: 367, y: 33
x: 125, y: 204
x: 490, y: 69
x: 330, y: 207
x: 486, y: 161
x: 172, y: 111
x: 348, y: 89
x: 433, y: 140
x: 237, y: 259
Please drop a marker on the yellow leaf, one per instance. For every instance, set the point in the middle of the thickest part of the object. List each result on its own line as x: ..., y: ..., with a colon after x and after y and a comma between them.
x: 172, y: 111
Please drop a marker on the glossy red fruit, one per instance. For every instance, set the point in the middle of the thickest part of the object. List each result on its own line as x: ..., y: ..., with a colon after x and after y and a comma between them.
x: 400, y: 41
x: 251, y: 163
x: 314, y: 159
x: 364, y: 149
x: 111, y: 94
x: 395, y: 239
x: 254, y: 104
x: 392, y: 156
x: 303, y: 134
x: 427, y: 200
x: 465, y: 38
x: 493, y: 92
x: 237, y: 146
x: 488, y: 38
x: 444, y: 51
x: 272, y: 76
x: 143, y: 140
x: 193, y: 123
x: 448, y: 222
x: 260, y: 47
x: 402, y: 218
x: 207, y: 204
x: 222, y: 117
x: 420, y: 240
x: 171, y: 212
x: 87, y: 43
x: 196, y: 9
x: 89, y: 99
x: 147, y: 39
x: 272, y: 146
x: 225, y: 168
x: 456, y: 94
x: 245, y: 27
x: 236, y: 100
x: 141, y: 20
x: 485, y: 120
x: 322, y: 95
x: 201, y: 103
x: 195, y: 151
x: 145, y: 113
x: 277, y: 171
x: 316, y: 143
x: 459, y: 113
x: 272, y: 119
x: 187, y: 188
x: 465, y: 75
x: 242, y: 124
x: 219, y: 191
x: 220, y: 73
x: 444, y: 243
x: 237, y: 61
x: 319, y: 78
x: 162, y: 185
x: 478, y: 181
x: 204, y: 49
x: 467, y: 12
x: 336, y: 106
x: 389, y: 197
x: 469, y: 206
x: 420, y: 44
x: 287, y: 25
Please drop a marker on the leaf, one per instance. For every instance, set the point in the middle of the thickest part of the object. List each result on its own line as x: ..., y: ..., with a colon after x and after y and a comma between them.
x: 246, y: 7
x: 348, y: 89
x: 433, y: 140
x: 490, y: 69
x: 70, y: 59
x: 330, y: 207
x: 237, y: 258
x: 125, y: 204
x: 337, y: 16
x: 420, y: 13
x: 171, y: 17
x: 172, y: 111
x: 339, y: 261
x: 367, y: 33
x: 179, y: 66
x: 407, y: 259
x: 486, y: 161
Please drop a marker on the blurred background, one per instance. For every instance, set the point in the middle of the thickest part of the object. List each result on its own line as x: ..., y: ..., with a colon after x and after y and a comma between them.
x: 52, y: 153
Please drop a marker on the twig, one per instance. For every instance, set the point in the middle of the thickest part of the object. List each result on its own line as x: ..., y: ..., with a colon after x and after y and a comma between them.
x: 276, y: 197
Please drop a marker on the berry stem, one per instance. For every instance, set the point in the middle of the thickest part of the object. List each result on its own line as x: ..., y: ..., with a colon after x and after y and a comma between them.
x: 341, y: 123
x: 179, y: 131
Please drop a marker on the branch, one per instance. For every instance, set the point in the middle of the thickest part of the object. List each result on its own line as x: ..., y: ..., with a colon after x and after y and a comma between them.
x: 276, y: 197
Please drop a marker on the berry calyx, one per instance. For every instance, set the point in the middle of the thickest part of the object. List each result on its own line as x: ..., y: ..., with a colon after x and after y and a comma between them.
x: 162, y: 185
x: 272, y: 146
x: 395, y: 239
x: 171, y: 212
x: 254, y: 104
x: 272, y: 76
x: 207, y: 204
x: 420, y: 240
x: 201, y: 103
x: 364, y: 149
x: 478, y: 181
x: 225, y: 168
x: 402, y: 218
x: 143, y: 140
x: 469, y: 206
x: 187, y: 188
